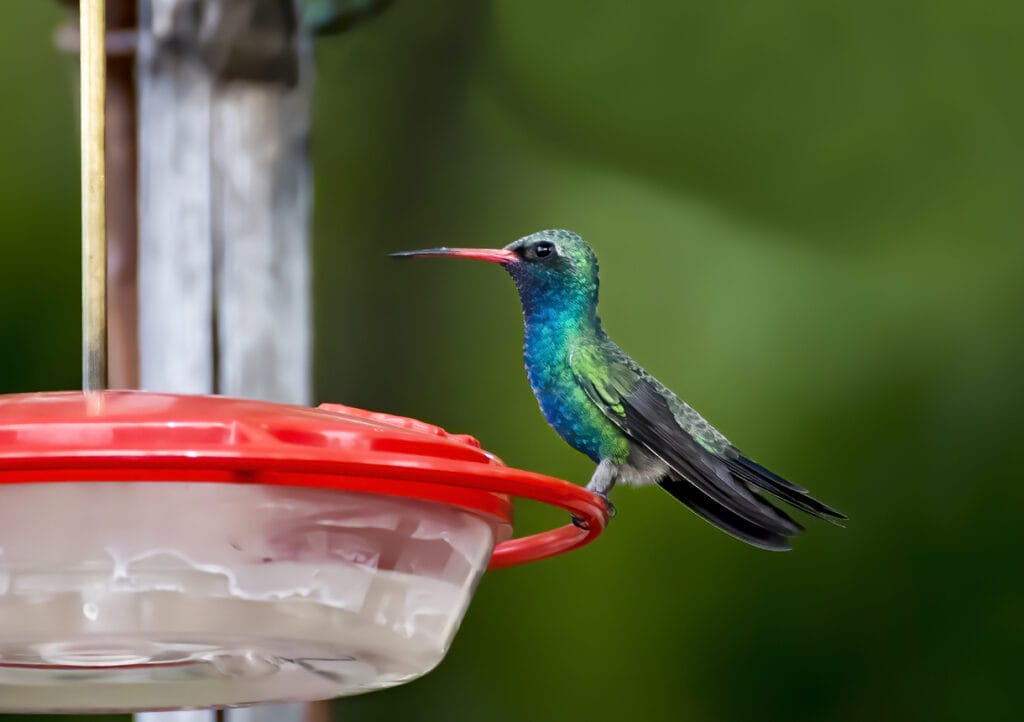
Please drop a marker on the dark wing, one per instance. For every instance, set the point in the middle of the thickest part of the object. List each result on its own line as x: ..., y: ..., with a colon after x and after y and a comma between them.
x: 701, y: 480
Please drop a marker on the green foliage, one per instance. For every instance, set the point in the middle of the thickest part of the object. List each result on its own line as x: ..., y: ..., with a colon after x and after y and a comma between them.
x: 808, y: 221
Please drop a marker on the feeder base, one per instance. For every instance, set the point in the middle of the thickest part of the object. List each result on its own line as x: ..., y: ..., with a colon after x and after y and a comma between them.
x: 122, y: 596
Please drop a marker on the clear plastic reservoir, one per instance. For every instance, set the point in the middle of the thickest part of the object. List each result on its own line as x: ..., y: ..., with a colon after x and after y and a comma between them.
x: 157, y: 595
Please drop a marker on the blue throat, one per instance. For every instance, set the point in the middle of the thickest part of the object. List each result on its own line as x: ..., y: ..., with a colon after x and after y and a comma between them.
x: 557, y: 317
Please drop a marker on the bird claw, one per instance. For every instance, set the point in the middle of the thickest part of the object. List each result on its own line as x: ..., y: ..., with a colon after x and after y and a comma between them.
x: 609, y: 507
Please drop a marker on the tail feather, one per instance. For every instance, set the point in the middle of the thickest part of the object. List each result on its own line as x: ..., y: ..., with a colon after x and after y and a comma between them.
x: 753, y: 473
x: 752, y: 533
x: 771, y: 529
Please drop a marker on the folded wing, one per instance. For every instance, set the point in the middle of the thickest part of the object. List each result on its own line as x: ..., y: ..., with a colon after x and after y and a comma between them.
x: 718, y: 487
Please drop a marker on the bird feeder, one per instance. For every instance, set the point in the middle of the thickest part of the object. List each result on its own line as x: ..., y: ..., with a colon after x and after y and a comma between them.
x: 163, y: 551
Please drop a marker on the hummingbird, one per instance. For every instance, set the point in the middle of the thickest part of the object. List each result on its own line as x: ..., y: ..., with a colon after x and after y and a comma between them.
x: 606, y: 406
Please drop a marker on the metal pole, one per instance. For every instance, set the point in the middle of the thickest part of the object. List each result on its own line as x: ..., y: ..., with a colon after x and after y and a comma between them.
x: 93, y: 64
x: 92, y: 28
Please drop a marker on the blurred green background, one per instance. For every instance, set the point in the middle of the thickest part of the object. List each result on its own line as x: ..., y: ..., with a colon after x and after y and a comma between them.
x: 808, y: 216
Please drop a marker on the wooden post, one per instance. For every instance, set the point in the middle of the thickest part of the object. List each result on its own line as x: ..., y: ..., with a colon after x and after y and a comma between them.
x: 225, y: 94
x: 225, y: 196
x: 122, y: 203
x: 261, y: 194
x: 176, y: 316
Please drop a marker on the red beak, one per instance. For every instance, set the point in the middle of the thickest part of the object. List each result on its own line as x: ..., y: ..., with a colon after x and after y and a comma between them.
x: 491, y: 255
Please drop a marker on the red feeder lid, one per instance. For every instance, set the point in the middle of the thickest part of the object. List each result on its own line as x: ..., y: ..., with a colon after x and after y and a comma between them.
x: 143, y: 436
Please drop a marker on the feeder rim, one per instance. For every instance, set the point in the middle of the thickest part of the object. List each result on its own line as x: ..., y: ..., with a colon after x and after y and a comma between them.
x: 70, y: 437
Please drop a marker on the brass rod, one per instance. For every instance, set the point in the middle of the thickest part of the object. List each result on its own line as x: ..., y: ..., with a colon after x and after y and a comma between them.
x: 93, y: 63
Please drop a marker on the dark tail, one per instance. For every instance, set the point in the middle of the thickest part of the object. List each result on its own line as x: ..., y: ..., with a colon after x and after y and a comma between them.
x: 774, y: 539
x: 771, y: 536
x: 753, y: 473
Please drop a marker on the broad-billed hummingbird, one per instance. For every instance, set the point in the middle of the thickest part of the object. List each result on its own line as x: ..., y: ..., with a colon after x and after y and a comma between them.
x: 605, y: 405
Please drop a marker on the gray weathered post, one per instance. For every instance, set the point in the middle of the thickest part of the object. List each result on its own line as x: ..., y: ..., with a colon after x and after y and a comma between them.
x: 224, y: 197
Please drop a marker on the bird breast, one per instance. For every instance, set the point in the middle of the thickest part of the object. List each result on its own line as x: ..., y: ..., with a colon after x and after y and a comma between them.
x: 563, y: 403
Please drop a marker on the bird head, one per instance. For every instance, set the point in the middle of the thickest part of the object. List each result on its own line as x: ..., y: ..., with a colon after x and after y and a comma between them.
x: 554, y: 270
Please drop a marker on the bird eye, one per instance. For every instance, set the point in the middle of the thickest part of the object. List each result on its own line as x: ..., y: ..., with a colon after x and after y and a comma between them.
x: 543, y: 249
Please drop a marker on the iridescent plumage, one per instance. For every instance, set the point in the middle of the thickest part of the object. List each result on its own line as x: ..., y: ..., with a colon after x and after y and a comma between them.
x: 606, y: 406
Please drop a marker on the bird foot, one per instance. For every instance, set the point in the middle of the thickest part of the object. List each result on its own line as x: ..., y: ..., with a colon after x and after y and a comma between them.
x: 612, y: 511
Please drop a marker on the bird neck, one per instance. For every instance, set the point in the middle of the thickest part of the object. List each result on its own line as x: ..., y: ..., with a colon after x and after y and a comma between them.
x: 553, y: 298
x: 553, y: 326
x: 570, y: 307
x: 558, y: 309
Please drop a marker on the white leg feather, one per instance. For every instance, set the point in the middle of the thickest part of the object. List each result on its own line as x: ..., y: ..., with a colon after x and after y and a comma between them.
x: 604, y: 478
